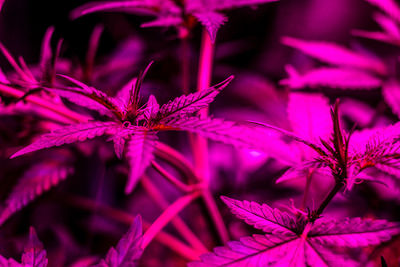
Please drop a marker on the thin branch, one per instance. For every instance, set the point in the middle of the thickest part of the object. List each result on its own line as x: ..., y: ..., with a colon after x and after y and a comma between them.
x: 123, y: 217
x: 178, y: 223
x: 166, y: 217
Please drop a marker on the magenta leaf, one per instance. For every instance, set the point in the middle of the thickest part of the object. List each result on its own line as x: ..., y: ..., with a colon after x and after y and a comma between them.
x: 292, y: 241
x: 140, y: 153
x: 119, y: 139
x: 34, y: 255
x: 125, y: 6
x: 151, y: 110
x: 187, y: 105
x: 218, y: 130
x: 212, y: 21
x: 262, y: 217
x: 388, y: 6
x: 36, y: 181
x: 128, y: 250
x: 334, y: 78
x: 70, y: 134
x: 336, y: 54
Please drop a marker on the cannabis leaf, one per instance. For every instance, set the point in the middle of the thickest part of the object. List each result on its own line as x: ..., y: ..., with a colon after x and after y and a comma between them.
x: 34, y: 255
x: 140, y: 153
x: 70, y: 134
x: 37, y: 180
x: 138, y: 125
x: 290, y: 240
x: 128, y: 250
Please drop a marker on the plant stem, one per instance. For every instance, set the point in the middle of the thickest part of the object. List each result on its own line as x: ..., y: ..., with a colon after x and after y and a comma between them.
x: 172, y: 179
x: 178, y: 223
x: 326, y: 201
x: 203, y: 82
x: 166, y: 217
x: 121, y: 216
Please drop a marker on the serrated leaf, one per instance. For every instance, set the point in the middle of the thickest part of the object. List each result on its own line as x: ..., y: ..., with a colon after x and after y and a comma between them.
x: 151, y: 110
x: 211, y: 20
x: 293, y: 242
x: 34, y: 255
x: 336, y: 54
x: 119, y: 139
x: 353, y: 232
x: 70, y: 134
x: 128, y: 251
x: 36, y: 181
x: 218, y: 130
x: 334, y: 78
x: 187, y: 105
x: 140, y: 153
x: 263, y: 217
x: 9, y: 262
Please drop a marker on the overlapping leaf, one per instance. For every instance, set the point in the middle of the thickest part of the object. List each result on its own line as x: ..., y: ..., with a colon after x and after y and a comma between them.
x: 128, y: 250
x: 291, y: 242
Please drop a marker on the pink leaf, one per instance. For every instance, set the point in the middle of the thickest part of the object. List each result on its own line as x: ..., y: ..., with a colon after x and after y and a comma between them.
x: 9, y: 262
x: 263, y: 217
x: 336, y: 54
x: 150, y: 6
x: 353, y: 232
x: 120, y: 137
x: 70, y: 134
x: 391, y: 94
x: 152, y: 108
x: 187, y: 105
x: 334, y: 78
x: 389, y: 6
x: 309, y: 116
x: 211, y: 21
x: 36, y: 181
x: 128, y: 250
x: 219, y: 130
x: 293, y: 241
x: 34, y: 255
x: 140, y: 154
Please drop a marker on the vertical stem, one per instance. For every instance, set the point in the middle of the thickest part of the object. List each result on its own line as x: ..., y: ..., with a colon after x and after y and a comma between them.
x: 203, y: 82
x: 200, y: 143
x: 166, y: 217
x: 328, y: 199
